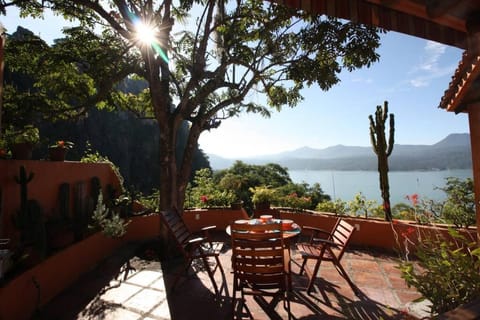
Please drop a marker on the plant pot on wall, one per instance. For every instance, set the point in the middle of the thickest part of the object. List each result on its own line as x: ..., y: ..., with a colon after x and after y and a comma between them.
x: 265, y: 205
x: 22, y: 151
x: 57, y: 154
x: 236, y: 205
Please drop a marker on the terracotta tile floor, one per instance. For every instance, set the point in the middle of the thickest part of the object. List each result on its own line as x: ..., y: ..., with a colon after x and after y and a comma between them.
x: 108, y: 292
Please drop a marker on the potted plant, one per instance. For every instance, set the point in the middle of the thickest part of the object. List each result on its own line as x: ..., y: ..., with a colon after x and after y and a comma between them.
x: 22, y: 141
x: 59, y: 149
x: 263, y: 196
x: 237, y: 204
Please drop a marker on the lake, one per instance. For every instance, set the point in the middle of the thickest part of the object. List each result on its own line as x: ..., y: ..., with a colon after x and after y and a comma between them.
x: 345, y: 184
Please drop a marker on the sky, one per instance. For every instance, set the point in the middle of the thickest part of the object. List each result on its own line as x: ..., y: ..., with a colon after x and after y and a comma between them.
x: 412, y: 75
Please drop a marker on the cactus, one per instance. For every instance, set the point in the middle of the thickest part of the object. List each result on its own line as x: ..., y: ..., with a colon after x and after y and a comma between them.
x: 383, y: 151
x: 95, y: 187
x: 64, y: 199
x: 22, y: 218
x: 79, y: 213
x: 36, y: 228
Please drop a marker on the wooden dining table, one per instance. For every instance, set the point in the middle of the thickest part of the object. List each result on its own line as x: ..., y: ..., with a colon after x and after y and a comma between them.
x: 289, y: 230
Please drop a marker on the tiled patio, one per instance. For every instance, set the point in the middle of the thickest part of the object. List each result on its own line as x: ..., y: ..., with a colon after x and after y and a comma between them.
x: 109, y: 292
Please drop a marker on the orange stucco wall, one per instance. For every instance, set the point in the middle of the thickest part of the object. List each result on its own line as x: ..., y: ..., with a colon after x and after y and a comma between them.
x: 18, y: 297
x: 474, y: 120
x: 221, y: 218
x: 48, y: 176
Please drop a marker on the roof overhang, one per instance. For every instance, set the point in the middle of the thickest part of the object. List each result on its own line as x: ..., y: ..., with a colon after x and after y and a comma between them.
x: 464, y: 89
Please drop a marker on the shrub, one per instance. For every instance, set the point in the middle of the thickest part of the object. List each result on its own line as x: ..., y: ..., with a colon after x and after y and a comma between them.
x: 338, y: 207
x: 206, y: 194
x: 447, y: 271
x: 293, y: 201
x: 28, y: 134
x: 361, y: 206
x: 263, y: 194
x: 108, y: 222
x: 459, y: 208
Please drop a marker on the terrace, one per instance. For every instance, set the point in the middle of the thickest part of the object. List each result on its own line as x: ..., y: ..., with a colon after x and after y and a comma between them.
x: 127, y: 284
x: 113, y: 291
x: 100, y: 277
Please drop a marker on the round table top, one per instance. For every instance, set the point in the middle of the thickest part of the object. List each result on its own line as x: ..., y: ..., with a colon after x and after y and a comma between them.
x: 287, y: 233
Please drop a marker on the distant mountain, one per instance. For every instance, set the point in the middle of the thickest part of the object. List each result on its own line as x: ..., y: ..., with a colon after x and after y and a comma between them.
x: 454, y: 140
x: 453, y: 152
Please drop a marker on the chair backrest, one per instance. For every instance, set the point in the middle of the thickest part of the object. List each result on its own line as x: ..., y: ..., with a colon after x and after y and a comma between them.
x: 259, y: 255
x: 341, y: 235
x: 176, y: 227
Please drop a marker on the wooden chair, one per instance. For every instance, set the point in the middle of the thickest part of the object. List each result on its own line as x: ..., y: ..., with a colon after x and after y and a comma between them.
x: 330, y: 247
x: 192, y: 246
x: 261, y: 265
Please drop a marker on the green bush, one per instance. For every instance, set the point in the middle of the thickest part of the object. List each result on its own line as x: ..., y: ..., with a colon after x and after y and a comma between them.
x: 293, y: 201
x: 459, y: 208
x: 263, y: 194
x: 361, y: 206
x: 447, y: 271
x: 27, y: 134
x: 338, y: 207
x: 108, y: 221
x: 206, y: 194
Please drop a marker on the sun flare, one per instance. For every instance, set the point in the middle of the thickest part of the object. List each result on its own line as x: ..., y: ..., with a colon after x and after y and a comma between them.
x: 146, y: 33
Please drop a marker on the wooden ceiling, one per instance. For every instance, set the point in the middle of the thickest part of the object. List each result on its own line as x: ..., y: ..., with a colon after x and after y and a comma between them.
x: 442, y: 21
x: 450, y: 22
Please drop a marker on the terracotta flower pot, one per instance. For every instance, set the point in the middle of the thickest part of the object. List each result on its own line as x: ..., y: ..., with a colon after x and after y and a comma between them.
x: 262, y: 205
x: 22, y: 151
x: 57, y: 154
x: 236, y: 205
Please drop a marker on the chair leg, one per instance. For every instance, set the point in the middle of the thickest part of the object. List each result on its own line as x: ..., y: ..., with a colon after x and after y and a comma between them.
x: 234, y: 295
x: 222, y: 272
x: 302, y: 268
x: 313, y: 276
x: 286, y: 304
x: 210, y: 274
x: 344, y: 274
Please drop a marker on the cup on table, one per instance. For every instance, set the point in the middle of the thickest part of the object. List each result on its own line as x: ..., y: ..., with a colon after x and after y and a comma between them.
x: 287, y: 224
x: 265, y: 218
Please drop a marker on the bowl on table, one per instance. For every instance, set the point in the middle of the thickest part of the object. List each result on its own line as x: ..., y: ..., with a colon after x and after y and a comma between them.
x: 265, y: 218
x: 287, y: 224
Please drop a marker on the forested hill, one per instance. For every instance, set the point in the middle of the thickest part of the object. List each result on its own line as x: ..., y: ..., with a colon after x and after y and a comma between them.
x: 453, y: 152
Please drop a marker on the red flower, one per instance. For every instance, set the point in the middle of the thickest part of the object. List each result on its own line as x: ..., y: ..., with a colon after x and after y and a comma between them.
x: 386, y: 205
x: 204, y: 199
x: 413, y: 198
x: 408, y: 232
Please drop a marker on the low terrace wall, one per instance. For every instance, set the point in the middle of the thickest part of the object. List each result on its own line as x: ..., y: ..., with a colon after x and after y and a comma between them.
x: 20, y: 296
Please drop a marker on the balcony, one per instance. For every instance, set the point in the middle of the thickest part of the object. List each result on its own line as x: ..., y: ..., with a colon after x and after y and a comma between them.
x: 99, y: 277
x: 129, y: 286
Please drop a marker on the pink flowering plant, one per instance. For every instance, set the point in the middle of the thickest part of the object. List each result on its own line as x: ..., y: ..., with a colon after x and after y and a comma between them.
x: 421, y: 210
x: 206, y: 194
x: 294, y: 201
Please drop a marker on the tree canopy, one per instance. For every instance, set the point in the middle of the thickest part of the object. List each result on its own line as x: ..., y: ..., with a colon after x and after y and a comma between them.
x: 207, y: 60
